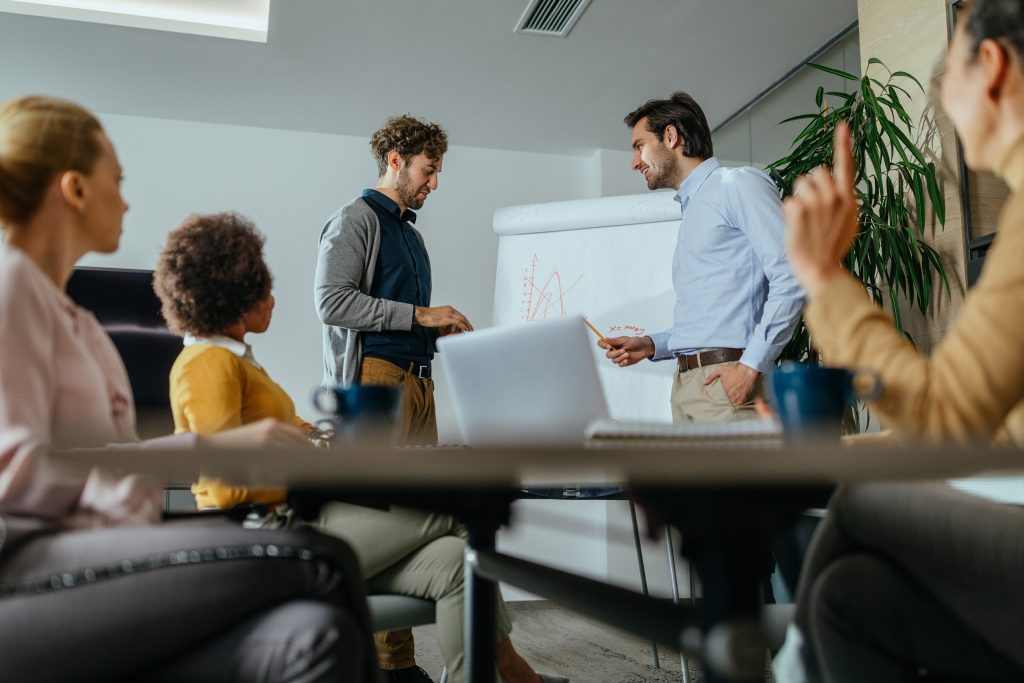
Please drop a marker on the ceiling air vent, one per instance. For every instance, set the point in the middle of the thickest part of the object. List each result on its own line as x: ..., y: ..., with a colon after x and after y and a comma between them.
x: 551, y: 17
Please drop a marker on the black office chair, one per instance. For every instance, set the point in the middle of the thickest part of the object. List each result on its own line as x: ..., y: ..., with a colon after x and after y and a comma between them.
x: 124, y: 303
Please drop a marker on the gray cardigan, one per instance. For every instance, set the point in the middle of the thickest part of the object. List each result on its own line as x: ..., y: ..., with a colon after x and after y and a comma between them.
x: 349, y: 244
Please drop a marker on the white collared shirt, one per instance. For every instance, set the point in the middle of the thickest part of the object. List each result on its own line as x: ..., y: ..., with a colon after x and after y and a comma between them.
x: 733, y: 282
x: 240, y: 349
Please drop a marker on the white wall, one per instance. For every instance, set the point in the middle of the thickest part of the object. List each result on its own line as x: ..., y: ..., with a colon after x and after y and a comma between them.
x: 758, y: 138
x: 613, y: 172
x: 289, y: 183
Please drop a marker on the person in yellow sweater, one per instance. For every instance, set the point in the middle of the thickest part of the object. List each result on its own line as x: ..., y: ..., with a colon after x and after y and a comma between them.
x: 905, y: 582
x: 215, y: 288
x: 216, y: 384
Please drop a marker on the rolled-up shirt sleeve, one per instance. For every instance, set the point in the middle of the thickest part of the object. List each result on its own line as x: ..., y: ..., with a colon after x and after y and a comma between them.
x: 661, y: 349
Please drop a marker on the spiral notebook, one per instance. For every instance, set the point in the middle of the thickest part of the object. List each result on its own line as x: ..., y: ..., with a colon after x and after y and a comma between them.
x: 748, y: 432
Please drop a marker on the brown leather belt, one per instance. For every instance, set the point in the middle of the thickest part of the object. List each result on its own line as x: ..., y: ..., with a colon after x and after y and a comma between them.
x: 709, y: 357
x: 414, y: 369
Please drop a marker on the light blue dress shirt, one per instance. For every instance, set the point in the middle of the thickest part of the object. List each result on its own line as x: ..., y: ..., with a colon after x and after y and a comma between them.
x: 734, y: 286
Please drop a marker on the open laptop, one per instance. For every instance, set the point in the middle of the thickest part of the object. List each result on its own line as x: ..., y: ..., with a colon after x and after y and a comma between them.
x: 534, y: 383
x: 537, y: 383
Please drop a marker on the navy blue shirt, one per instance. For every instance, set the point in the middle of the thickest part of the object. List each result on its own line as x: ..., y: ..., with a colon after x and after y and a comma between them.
x: 402, y: 274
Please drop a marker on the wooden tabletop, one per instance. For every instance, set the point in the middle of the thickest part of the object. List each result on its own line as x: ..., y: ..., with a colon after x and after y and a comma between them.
x: 373, y: 465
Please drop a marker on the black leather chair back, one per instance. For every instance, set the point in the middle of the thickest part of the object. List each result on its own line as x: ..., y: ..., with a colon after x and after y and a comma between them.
x: 124, y: 303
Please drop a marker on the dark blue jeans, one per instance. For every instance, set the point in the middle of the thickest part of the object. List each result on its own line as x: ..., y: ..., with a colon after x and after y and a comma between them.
x: 184, y: 601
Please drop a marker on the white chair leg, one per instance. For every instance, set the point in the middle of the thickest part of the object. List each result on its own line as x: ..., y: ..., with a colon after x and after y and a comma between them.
x: 444, y: 675
x: 643, y: 575
x: 671, y: 551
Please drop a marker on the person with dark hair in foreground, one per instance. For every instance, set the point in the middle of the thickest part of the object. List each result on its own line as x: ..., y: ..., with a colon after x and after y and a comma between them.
x: 92, y: 586
x: 910, y: 582
x: 737, y: 301
x: 217, y: 383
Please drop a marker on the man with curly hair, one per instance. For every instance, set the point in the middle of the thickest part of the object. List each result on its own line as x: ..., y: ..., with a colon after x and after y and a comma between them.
x: 373, y: 297
x: 373, y: 278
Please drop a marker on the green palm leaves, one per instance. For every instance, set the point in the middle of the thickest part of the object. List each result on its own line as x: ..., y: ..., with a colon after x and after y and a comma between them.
x: 895, y: 184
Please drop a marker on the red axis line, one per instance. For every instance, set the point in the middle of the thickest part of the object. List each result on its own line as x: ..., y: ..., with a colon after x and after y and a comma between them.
x: 530, y: 286
x: 546, y: 298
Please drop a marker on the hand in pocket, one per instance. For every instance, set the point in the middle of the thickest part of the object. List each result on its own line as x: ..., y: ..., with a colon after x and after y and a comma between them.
x: 737, y: 379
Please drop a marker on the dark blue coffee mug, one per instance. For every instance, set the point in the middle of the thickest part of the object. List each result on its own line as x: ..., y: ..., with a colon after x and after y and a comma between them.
x: 361, y: 411
x: 811, y: 400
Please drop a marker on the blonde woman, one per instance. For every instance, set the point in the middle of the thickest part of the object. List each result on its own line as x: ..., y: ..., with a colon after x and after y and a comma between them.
x: 92, y: 586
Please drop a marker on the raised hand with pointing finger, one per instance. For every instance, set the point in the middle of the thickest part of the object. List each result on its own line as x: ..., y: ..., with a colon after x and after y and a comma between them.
x: 822, y: 217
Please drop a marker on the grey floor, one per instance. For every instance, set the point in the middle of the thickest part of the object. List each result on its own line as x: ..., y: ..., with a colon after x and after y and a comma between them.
x: 561, y: 642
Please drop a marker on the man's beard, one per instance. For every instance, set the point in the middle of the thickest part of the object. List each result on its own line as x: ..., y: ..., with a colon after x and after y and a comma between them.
x: 660, y: 172
x: 407, y: 193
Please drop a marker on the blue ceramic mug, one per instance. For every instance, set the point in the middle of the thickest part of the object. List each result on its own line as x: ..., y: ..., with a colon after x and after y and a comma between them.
x: 811, y: 400
x: 361, y: 411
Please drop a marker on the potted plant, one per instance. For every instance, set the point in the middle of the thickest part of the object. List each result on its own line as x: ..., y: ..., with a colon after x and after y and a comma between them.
x: 895, y: 183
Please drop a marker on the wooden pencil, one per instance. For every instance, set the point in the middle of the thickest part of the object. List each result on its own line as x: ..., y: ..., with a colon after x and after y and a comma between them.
x: 594, y: 330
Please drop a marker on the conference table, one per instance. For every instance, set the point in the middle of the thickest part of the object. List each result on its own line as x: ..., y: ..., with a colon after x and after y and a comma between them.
x: 730, y: 502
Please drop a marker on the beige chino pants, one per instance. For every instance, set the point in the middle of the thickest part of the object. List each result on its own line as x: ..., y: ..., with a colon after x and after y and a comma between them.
x: 692, y: 401
x: 417, y: 420
x: 414, y: 553
x: 416, y: 425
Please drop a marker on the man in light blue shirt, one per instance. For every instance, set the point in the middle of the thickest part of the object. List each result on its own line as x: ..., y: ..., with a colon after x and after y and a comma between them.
x: 737, y: 300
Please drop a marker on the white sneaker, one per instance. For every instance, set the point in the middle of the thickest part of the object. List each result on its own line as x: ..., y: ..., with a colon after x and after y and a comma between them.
x: 788, y: 664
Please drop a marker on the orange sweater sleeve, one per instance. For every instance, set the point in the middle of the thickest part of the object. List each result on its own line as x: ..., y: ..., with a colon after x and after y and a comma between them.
x: 306, y: 427
x: 974, y: 380
x: 207, y: 387
x: 206, y: 391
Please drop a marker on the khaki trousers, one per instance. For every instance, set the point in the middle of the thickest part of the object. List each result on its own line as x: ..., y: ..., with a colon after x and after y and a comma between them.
x: 693, y: 402
x: 417, y: 419
x: 411, y: 553
x: 416, y: 425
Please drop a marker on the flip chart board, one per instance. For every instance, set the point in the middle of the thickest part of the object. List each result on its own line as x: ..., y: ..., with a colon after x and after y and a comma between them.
x: 609, y: 259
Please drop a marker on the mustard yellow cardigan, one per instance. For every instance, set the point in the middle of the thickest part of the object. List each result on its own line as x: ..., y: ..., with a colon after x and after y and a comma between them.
x: 213, y: 389
x: 972, y: 386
